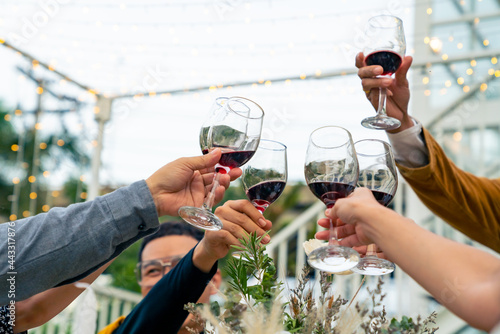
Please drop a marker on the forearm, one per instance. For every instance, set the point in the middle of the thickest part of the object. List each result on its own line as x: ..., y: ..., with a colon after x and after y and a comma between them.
x: 460, y: 277
x: 67, y: 244
x: 37, y: 310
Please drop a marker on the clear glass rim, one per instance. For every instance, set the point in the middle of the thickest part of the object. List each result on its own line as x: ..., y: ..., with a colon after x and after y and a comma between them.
x: 281, y: 146
x: 244, y: 98
x: 386, y: 144
x: 373, y: 20
x: 349, y: 137
x: 219, y: 99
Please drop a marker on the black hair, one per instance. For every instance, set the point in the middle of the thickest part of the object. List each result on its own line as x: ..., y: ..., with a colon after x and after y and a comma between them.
x: 172, y: 228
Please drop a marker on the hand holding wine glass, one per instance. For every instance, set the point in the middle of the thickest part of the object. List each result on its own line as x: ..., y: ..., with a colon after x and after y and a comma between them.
x: 235, y: 128
x: 331, y: 171
x: 386, y: 47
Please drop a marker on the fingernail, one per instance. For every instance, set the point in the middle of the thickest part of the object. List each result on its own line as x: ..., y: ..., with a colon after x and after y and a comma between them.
x: 262, y: 222
x: 386, y: 81
x: 266, y: 239
x: 378, y: 70
x: 328, y: 211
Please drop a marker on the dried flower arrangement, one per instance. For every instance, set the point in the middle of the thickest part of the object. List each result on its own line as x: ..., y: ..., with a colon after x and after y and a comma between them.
x: 258, y: 309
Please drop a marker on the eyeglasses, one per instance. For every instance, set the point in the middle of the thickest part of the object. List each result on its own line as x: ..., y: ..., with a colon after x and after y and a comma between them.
x: 148, y: 273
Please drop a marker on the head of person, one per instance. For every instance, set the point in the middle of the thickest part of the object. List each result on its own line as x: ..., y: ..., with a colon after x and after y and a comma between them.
x: 161, y: 251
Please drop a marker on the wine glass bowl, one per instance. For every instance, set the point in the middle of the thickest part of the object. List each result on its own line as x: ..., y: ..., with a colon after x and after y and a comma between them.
x: 379, y: 174
x: 331, y: 172
x: 386, y: 47
x: 264, y: 177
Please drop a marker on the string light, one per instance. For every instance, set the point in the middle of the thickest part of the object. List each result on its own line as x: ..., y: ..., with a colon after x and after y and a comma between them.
x: 469, y: 71
x: 60, y: 142
x: 33, y: 195
x: 39, y: 90
x: 457, y: 136
x: 494, y: 60
x: 466, y: 89
x: 18, y: 112
x: 43, y: 146
x: 425, y: 80
x: 14, y: 147
x: 486, y: 42
x: 460, y: 81
x: 26, y: 214
x: 448, y: 83
x: 473, y: 63
x: 55, y: 193
x: 12, y: 217
x: 31, y: 179
x: 483, y: 87
x: 427, y: 92
x: 45, y: 208
x: 83, y: 195
x: 16, y: 180
x: 46, y: 173
x: 7, y: 117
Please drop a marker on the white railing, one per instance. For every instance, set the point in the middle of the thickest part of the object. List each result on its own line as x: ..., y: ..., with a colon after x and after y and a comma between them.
x: 108, y: 304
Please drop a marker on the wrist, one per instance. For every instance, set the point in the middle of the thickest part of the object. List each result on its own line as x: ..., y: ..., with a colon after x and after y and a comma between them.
x: 152, y: 190
x: 406, y: 123
x: 202, y: 258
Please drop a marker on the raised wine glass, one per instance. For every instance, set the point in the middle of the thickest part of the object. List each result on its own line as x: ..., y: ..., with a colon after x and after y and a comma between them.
x: 235, y: 129
x: 377, y: 172
x: 264, y: 177
x: 331, y: 171
x: 386, y: 47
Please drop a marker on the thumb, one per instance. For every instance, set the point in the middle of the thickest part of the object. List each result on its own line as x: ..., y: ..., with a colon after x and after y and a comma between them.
x: 405, y: 66
x: 204, y: 161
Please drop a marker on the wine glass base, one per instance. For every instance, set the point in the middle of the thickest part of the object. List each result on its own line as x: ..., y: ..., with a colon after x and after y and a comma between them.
x: 333, y: 259
x: 200, y: 218
x: 374, y: 266
x: 381, y: 122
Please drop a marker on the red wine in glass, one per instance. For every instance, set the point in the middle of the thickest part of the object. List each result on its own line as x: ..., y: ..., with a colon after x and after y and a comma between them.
x: 234, y: 159
x: 386, y: 47
x: 382, y: 197
x: 330, y: 192
x: 390, y: 61
x: 331, y: 172
x: 265, y: 193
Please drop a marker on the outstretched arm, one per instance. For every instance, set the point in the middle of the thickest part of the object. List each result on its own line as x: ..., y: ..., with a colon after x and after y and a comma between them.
x: 462, y: 278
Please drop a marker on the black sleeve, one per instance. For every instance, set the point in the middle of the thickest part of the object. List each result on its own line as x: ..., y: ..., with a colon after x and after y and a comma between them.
x: 162, y: 310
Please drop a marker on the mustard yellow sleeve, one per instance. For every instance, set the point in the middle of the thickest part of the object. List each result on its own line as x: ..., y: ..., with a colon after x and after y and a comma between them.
x: 109, y: 329
x: 469, y: 203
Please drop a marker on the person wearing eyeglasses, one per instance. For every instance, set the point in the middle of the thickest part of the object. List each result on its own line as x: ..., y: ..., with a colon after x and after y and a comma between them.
x: 465, y: 201
x: 171, y: 272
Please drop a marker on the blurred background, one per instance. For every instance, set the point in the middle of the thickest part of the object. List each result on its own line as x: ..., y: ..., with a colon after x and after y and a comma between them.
x: 98, y: 94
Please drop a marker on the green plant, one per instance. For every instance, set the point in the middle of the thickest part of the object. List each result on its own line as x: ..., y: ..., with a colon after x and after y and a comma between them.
x: 259, y: 309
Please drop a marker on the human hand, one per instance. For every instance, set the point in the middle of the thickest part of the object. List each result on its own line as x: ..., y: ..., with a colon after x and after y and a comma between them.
x: 398, y: 92
x: 239, y: 218
x: 185, y: 181
x: 356, y: 217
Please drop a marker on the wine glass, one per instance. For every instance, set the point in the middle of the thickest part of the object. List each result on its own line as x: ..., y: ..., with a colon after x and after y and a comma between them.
x: 264, y: 177
x: 386, y: 47
x: 331, y: 171
x: 377, y: 172
x: 235, y: 129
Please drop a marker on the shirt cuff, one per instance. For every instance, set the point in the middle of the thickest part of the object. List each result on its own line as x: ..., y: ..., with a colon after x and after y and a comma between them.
x: 133, y: 210
x: 409, y: 146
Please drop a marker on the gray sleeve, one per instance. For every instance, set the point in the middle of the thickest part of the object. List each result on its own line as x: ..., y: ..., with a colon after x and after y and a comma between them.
x: 66, y: 244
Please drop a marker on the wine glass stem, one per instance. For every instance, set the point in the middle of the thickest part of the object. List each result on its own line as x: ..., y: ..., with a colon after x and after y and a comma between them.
x: 332, y: 240
x: 371, y: 250
x: 209, y: 200
x: 382, y: 96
